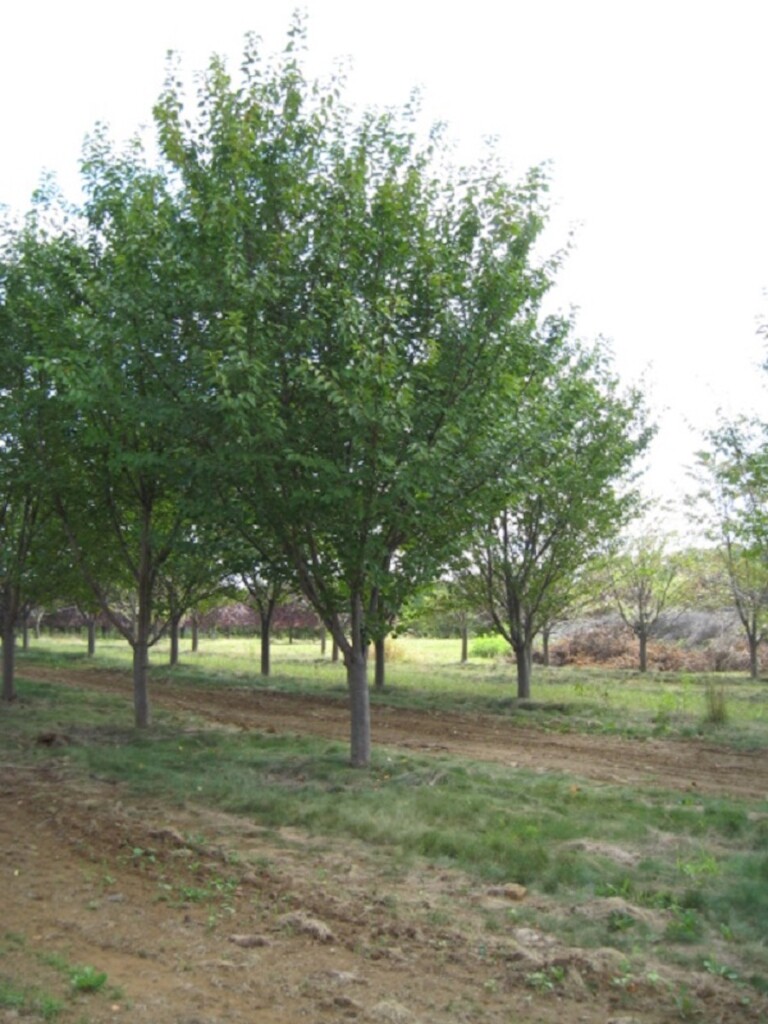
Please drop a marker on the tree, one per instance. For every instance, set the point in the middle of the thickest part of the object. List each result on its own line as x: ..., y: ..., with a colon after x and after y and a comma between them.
x: 267, y: 586
x: 733, y: 507
x: 32, y: 265
x: 564, y: 491
x: 644, y: 580
x: 373, y: 315
x: 127, y: 392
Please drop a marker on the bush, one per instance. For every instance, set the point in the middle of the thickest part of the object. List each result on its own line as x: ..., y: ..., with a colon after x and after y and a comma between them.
x: 492, y: 646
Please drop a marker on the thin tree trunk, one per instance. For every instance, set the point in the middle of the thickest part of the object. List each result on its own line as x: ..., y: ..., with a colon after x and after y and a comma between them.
x: 174, y: 636
x: 91, y: 625
x: 323, y: 640
x: 380, y: 669
x: 334, y: 650
x: 195, y: 634
x: 9, y: 653
x: 141, y: 641
x: 464, y: 644
x: 754, y: 660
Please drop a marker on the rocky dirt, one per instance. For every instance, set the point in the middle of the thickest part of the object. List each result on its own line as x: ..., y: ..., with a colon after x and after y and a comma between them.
x: 198, y: 917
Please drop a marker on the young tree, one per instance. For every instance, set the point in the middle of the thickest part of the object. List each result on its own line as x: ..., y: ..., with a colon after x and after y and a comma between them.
x: 373, y: 314
x: 644, y: 580
x: 732, y: 504
x: 564, y: 489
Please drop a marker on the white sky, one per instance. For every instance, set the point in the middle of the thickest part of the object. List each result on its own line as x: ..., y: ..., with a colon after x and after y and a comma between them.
x: 652, y: 113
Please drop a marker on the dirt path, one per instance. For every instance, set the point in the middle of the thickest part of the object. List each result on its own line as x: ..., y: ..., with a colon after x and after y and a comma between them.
x: 693, y: 765
x: 199, y: 917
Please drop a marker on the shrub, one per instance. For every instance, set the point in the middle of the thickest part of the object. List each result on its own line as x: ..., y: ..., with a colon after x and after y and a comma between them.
x: 492, y: 646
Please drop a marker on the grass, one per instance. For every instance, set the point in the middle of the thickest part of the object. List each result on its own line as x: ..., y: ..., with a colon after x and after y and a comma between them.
x: 51, y: 998
x: 700, y: 875
x: 426, y: 674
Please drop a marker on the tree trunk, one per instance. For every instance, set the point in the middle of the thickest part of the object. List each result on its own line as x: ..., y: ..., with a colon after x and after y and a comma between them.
x: 464, y: 644
x: 141, y: 637
x: 265, y: 625
x: 9, y: 652
x: 360, y: 710
x: 380, y: 669
x: 25, y: 633
x: 524, y: 661
x: 545, y: 647
x: 195, y: 634
x: 754, y: 660
x: 91, y: 637
x: 174, y: 636
x: 643, y: 638
x: 356, y: 662
x: 141, y: 684
x: 334, y: 650
x: 322, y: 644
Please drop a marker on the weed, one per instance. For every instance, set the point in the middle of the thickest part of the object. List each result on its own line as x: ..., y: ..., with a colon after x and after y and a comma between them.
x: 685, y: 1004
x: 720, y: 970
x: 686, y: 926
x: 716, y: 705
x: 87, y: 979
x: 547, y: 979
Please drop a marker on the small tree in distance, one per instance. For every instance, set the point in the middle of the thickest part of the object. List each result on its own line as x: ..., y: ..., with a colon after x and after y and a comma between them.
x: 644, y: 579
x: 732, y: 505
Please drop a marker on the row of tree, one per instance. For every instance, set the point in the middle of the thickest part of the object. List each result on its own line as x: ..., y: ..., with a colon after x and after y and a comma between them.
x: 299, y: 349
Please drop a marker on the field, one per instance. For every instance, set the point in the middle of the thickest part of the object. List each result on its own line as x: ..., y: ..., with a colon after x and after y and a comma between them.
x: 600, y: 854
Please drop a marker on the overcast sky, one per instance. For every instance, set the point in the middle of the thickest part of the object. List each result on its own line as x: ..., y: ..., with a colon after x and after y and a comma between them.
x: 652, y: 114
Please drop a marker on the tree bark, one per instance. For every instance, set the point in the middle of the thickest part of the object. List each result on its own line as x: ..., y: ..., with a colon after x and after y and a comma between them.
x: 195, y: 634
x: 360, y: 710
x: 356, y: 662
x: 334, y: 651
x: 380, y: 670
x: 545, y: 647
x: 266, y: 610
x: 91, y: 625
x: 643, y: 652
x: 524, y: 661
x: 322, y: 644
x: 140, y: 683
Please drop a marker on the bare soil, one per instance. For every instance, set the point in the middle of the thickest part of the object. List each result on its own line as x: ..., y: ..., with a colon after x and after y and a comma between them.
x: 199, y: 917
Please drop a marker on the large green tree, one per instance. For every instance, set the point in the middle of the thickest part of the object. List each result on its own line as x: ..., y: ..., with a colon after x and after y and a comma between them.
x: 34, y: 303
x: 373, y: 314
x: 129, y: 397
x: 571, y: 444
